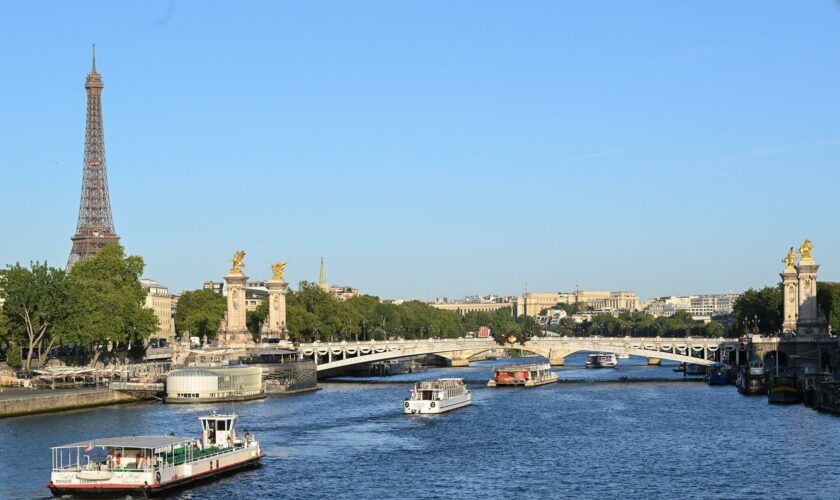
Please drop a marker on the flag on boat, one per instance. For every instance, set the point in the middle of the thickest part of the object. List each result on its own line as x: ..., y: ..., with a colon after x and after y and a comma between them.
x: 89, y: 446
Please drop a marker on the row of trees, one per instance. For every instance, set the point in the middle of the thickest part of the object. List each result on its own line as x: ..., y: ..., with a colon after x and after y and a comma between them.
x: 99, y: 304
x: 312, y: 313
x: 640, y: 324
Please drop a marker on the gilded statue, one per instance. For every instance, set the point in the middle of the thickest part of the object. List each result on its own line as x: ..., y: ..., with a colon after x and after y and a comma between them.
x: 237, y: 263
x: 790, y: 259
x: 278, y: 268
x: 805, y: 250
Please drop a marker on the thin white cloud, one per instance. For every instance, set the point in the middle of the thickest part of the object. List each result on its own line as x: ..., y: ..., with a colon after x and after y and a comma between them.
x: 761, y: 153
x: 587, y: 156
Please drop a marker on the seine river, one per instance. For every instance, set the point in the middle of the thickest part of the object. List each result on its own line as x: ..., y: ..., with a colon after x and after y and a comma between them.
x: 588, y: 436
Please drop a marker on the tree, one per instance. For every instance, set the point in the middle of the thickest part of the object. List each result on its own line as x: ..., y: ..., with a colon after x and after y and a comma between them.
x: 5, y: 335
x: 713, y: 329
x: 255, y: 319
x: 108, y: 302
x: 13, y: 357
x: 34, y: 305
x: 763, y: 306
x: 200, y: 312
x: 313, y: 312
x: 828, y: 300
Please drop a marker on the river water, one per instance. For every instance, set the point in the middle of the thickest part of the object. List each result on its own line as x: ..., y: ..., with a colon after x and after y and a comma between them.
x: 588, y: 436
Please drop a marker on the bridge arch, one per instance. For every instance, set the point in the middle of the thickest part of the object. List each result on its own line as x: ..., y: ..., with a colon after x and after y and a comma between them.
x: 344, y: 354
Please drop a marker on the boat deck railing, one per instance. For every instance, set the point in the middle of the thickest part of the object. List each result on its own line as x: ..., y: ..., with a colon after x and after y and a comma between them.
x: 196, y: 455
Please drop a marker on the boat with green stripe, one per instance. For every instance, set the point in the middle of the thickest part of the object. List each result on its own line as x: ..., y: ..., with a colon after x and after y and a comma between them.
x: 146, y: 465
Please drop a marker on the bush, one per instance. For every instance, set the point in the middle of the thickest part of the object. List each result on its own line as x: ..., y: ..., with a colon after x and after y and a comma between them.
x: 14, y: 358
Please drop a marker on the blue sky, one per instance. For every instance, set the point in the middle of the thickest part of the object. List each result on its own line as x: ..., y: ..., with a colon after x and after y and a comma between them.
x: 434, y: 148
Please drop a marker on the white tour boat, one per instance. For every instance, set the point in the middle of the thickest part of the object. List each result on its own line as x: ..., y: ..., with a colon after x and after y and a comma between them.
x: 602, y: 360
x: 437, y: 396
x: 145, y: 465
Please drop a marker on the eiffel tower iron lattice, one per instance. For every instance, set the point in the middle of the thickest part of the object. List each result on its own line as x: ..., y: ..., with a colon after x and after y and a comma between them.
x: 95, y: 227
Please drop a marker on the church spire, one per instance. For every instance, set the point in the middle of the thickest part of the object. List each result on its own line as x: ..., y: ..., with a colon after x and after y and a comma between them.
x: 322, y: 280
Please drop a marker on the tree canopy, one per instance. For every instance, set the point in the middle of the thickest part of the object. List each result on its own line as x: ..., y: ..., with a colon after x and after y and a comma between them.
x: 199, y: 313
x: 35, y: 307
x: 759, y: 310
x: 828, y: 300
x: 108, y: 302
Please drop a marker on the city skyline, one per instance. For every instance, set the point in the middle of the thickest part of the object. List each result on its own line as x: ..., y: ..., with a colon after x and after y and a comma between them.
x: 542, y: 158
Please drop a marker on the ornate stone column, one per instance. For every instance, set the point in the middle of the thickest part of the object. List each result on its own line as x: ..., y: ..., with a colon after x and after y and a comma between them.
x: 275, y: 326
x: 790, y: 286
x: 277, y: 290
x: 236, y: 330
x: 809, y: 321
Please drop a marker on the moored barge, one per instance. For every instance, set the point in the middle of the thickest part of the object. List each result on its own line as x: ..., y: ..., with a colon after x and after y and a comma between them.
x: 751, y: 379
x: 530, y: 375
x: 147, y: 465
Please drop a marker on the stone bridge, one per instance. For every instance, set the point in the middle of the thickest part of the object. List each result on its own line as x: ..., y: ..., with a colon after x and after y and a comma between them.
x: 332, y: 355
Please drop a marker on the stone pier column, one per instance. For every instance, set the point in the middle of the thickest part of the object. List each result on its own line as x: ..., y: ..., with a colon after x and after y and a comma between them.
x: 237, y: 329
x: 790, y: 308
x: 276, y: 328
x: 808, y: 315
x: 557, y: 357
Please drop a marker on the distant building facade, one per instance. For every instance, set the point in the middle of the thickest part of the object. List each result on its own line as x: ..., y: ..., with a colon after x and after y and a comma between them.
x: 533, y: 303
x: 159, y: 301
x: 343, y: 292
x: 474, y: 303
x: 698, y: 306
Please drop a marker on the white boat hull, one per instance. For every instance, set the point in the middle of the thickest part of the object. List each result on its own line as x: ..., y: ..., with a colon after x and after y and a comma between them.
x: 420, y: 407
x: 151, y: 480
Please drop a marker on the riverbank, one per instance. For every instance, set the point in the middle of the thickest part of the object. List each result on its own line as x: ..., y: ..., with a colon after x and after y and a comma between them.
x: 16, y: 402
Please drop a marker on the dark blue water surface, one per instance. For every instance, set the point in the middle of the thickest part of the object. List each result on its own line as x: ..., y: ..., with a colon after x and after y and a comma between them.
x: 588, y: 436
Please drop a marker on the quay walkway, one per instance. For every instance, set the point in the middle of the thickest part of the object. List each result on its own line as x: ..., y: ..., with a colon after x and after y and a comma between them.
x: 22, y: 401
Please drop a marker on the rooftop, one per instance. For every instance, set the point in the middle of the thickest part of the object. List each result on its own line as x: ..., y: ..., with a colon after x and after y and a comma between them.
x: 129, y: 442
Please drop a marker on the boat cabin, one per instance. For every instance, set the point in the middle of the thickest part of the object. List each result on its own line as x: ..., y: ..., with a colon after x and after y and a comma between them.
x: 436, y: 390
x: 101, y: 457
x: 218, y: 430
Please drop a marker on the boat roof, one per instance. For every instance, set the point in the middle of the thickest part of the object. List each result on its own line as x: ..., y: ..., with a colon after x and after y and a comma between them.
x: 530, y: 366
x: 129, y: 442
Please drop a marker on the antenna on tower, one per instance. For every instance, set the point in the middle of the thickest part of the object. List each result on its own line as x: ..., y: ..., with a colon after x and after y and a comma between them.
x: 94, y: 57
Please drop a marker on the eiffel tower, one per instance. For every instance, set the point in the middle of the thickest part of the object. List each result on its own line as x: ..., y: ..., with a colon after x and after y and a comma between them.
x: 95, y: 227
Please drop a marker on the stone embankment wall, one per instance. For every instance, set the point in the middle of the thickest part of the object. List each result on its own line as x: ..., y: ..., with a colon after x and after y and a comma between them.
x: 62, y: 400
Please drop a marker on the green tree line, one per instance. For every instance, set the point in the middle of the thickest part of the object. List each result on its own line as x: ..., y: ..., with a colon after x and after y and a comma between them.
x: 99, y: 304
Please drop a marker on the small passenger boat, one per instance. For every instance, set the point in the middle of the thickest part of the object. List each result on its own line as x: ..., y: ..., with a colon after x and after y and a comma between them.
x: 146, y: 465
x: 751, y: 379
x: 717, y: 374
x: 437, y: 396
x: 602, y: 360
x: 530, y: 375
